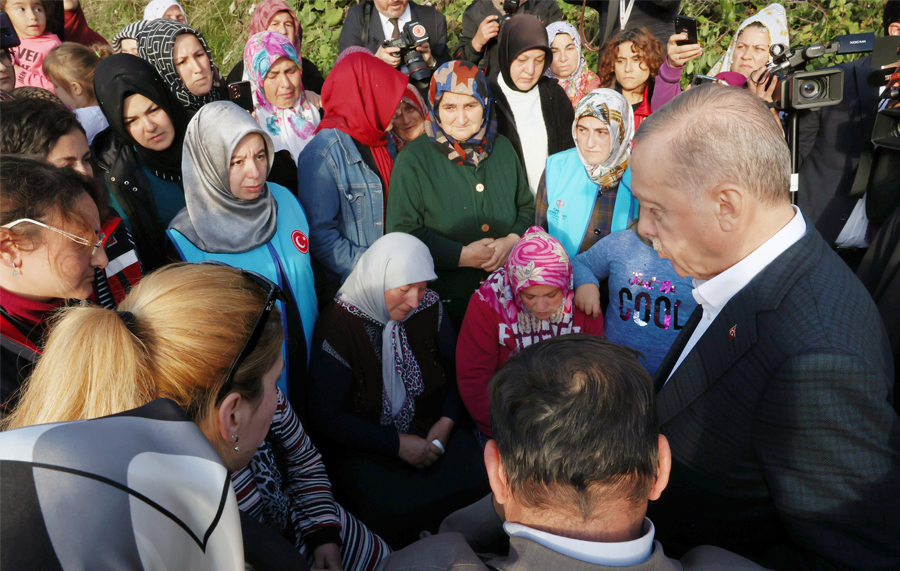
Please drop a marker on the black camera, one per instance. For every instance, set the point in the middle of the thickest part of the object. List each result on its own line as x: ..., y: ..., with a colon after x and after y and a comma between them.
x: 812, y: 89
x: 412, y: 36
x: 8, y: 36
x: 509, y: 9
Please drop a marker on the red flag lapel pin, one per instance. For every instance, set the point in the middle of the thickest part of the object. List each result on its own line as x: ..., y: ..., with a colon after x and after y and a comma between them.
x: 732, y: 332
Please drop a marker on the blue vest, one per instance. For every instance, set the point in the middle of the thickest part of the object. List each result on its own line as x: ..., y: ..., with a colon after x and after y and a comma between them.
x: 287, y: 252
x: 571, y: 195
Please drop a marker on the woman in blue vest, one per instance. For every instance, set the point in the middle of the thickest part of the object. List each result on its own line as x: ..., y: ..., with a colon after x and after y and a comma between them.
x: 580, y: 198
x: 234, y: 216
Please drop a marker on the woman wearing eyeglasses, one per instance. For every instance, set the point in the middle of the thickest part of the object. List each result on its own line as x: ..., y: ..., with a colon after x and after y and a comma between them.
x: 49, y: 243
x: 234, y: 216
x: 210, y: 338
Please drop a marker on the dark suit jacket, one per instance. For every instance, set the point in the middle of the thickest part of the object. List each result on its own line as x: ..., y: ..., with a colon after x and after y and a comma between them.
x: 435, y: 23
x: 831, y: 140
x: 785, y: 446
x: 464, y: 532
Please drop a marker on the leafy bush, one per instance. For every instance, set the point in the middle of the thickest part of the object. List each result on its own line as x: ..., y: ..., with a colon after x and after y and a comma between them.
x: 224, y: 23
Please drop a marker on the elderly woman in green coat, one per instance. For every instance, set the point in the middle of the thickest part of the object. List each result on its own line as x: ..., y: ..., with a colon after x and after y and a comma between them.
x: 460, y: 187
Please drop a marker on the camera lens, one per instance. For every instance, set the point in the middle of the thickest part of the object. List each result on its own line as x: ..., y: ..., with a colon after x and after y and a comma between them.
x: 811, y: 89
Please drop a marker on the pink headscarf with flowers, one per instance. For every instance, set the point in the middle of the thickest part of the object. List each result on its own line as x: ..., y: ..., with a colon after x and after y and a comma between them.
x: 537, y: 259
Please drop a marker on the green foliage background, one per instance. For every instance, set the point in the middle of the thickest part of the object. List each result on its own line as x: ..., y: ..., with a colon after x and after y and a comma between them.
x: 224, y: 23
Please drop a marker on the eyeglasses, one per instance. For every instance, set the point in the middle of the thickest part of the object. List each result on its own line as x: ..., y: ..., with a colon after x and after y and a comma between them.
x: 84, y: 242
x: 273, y: 293
x: 6, y: 58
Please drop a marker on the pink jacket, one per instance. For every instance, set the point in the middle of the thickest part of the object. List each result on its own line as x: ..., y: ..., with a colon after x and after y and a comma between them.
x: 30, y: 54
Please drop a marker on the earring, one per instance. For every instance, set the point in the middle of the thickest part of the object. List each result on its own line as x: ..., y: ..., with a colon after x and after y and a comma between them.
x: 234, y: 438
x: 15, y: 271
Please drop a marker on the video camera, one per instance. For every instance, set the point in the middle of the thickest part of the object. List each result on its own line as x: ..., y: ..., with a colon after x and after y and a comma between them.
x: 509, y: 10
x: 412, y: 36
x: 812, y: 89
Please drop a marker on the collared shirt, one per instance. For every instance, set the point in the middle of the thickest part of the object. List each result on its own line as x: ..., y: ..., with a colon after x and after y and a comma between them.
x: 401, y: 21
x: 713, y: 294
x: 621, y: 554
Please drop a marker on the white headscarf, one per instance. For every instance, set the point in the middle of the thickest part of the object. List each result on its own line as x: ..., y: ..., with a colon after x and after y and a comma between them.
x: 609, y: 106
x: 394, y: 260
x: 774, y: 18
x: 156, y: 8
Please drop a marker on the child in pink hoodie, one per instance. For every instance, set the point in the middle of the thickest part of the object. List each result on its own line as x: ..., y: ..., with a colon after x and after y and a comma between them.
x: 30, y: 21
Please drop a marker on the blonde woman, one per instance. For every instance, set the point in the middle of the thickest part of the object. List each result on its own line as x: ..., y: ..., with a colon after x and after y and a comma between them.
x: 208, y: 337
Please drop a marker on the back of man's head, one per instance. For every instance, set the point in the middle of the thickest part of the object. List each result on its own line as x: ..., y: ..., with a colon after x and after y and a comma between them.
x: 575, y: 422
x: 721, y: 134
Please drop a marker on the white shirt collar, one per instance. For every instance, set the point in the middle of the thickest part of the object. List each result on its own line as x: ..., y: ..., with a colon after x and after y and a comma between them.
x: 714, y: 293
x: 405, y: 17
x: 620, y: 554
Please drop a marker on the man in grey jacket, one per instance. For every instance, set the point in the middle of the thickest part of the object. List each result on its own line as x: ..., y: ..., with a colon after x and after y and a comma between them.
x: 577, y: 456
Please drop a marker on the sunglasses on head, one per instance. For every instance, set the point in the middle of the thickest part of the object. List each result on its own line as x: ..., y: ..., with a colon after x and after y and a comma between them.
x: 273, y: 294
x: 77, y: 239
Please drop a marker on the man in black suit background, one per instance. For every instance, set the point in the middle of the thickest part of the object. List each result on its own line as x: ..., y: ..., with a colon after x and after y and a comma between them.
x: 831, y: 141
x: 369, y: 23
x: 776, y: 396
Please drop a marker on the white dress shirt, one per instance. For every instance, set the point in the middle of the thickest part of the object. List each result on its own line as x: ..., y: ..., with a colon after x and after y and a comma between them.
x: 713, y: 294
x: 388, y: 28
x: 620, y: 554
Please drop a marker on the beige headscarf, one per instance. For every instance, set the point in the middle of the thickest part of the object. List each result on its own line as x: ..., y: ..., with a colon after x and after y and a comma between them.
x: 774, y: 18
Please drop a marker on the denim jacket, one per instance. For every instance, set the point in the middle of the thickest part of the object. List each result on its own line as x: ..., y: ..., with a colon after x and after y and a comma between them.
x: 344, y: 201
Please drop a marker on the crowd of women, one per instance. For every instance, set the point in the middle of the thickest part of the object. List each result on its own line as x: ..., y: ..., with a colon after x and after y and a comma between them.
x: 363, y: 257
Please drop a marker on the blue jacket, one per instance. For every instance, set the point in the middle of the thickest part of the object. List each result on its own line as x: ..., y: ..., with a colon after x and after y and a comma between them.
x: 344, y: 200
x: 285, y: 260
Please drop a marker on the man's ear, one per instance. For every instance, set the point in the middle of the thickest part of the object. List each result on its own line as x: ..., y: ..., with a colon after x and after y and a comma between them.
x: 665, y: 468
x: 496, y: 474
x: 730, y: 206
x: 894, y: 29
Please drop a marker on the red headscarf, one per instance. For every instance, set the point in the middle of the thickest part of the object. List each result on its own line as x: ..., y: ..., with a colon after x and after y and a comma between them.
x: 264, y: 13
x: 77, y: 29
x: 360, y: 97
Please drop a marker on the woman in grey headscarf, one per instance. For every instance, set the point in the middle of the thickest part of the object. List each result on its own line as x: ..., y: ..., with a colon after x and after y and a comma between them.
x: 234, y: 216
x: 383, y: 396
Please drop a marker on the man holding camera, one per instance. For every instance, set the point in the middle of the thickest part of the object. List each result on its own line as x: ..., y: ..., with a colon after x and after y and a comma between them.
x: 576, y: 458
x: 371, y: 23
x: 481, y: 27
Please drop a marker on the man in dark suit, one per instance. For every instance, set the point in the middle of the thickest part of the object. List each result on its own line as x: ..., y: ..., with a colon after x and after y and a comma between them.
x: 776, y: 396
x: 576, y: 458
x: 369, y: 23
x: 831, y: 142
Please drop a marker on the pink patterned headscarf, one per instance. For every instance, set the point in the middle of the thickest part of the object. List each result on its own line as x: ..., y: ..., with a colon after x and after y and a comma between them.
x: 537, y: 259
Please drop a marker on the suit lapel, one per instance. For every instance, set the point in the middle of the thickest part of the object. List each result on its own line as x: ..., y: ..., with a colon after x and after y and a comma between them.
x: 376, y: 32
x: 734, y: 330
x: 665, y: 368
x: 867, y: 97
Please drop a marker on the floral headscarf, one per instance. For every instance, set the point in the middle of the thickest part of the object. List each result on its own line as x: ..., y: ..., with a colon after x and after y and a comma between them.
x: 156, y: 41
x: 464, y: 78
x: 609, y: 106
x: 582, y: 79
x: 264, y: 13
x: 537, y: 259
x: 290, y: 128
x: 412, y: 98
x: 774, y: 18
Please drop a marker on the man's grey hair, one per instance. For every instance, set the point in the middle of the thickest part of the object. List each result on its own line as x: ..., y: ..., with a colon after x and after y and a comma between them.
x: 719, y: 133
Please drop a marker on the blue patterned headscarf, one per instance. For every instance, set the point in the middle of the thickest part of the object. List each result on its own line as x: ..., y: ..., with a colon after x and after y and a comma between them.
x: 466, y: 79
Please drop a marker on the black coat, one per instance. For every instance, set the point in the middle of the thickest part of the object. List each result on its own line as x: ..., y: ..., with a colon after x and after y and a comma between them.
x: 556, y: 110
x: 784, y: 441
x: 547, y: 11
x: 435, y: 24
x: 130, y: 186
x: 831, y: 141
x: 656, y: 15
